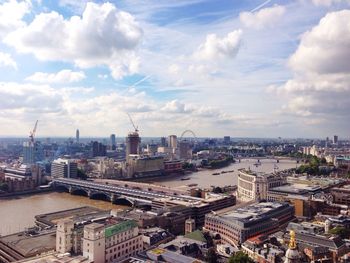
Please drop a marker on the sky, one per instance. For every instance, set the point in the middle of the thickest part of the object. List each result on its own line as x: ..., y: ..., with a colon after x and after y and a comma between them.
x: 252, y: 68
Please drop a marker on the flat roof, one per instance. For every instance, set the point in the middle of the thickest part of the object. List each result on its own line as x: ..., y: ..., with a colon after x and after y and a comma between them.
x: 31, y: 245
x: 252, y: 212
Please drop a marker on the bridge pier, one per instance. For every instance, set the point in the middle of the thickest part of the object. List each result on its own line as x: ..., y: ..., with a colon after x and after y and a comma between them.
x: 112, y: 198
x: 70, y: 189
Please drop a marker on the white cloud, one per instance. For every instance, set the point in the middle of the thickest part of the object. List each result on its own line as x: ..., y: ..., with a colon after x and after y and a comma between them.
x: 102, y: 76
x: 28, y: 98
x: 7, y: 61
x: 321, y: 66
x: 103, y: 35
x: 63, y: 76
x: 11, y: 14
x: 266, y: 17
x: 218, y: 48
x: 328, y: 2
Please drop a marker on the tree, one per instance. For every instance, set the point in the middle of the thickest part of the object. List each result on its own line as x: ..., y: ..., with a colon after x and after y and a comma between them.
x: 211, y: 257
x: 81, y: 174
x: 340, y: 231
x: 240, y: 257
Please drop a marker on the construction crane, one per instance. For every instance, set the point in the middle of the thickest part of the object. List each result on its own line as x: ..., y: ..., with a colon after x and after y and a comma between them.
x: 32, y: 133
x: 133, y: 124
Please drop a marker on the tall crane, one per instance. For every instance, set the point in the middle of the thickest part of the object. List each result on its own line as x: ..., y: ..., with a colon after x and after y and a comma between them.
x: 133, y: 124
x: 32, y: 133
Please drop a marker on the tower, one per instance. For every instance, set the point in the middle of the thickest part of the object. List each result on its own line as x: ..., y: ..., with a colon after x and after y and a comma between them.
x: 173, y: 141
x: 94, y: 242
x: 77, y: 136
x: 113, y: 143
x: 327, y: 226
x: 64, y: 234
x: 190, y: 225
x: 132, y: 143
x: 292, y: 253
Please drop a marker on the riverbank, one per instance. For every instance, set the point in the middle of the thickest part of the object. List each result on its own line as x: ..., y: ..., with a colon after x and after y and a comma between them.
x: 30, y: 192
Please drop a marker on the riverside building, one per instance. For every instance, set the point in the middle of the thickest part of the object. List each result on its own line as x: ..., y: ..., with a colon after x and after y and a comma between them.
x: 253, y: 186
x: 237, y: 225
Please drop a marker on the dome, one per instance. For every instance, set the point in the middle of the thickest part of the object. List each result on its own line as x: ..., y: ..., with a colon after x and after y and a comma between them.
x: 292, y: 253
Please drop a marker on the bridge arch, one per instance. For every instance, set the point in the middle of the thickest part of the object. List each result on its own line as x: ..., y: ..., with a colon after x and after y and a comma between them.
x: 100, y: 196
x: 62, y: 188
x: 123, y: 201
x: 79, y: 192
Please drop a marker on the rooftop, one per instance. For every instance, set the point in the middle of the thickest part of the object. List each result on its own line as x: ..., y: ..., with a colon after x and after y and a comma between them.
x: 253, y: 211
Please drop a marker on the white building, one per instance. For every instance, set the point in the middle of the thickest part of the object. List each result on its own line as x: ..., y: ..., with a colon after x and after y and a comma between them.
x: 253, y: 186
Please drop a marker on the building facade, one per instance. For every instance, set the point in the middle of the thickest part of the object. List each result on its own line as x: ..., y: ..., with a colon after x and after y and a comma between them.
x: 64, y: 168
x: 253, y: 186
x: 238, y: 225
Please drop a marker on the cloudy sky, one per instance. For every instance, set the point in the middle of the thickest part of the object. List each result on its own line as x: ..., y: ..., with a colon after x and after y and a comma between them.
x: 251, y: 68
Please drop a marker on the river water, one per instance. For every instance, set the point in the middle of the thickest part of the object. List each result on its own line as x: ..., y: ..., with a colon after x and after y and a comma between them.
x: 205, y: 178
x: 17, y: 213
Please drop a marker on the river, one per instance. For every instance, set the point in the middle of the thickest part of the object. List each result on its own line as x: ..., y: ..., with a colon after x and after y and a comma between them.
x: 17, y: 213
x: 205, y: 178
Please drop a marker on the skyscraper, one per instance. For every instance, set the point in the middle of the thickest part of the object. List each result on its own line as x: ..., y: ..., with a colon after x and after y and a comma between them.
x: 113, y: 143
x: 173, y: 141
x: 32, y: 152
x: 132, y: 143
x: 335, y: 139
x: 77, y: 135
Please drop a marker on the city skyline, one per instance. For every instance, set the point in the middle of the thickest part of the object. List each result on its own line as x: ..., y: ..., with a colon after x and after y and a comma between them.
x: 249, y: 69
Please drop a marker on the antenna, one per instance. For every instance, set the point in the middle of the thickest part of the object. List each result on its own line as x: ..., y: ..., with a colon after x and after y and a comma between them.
x: 133, y: 124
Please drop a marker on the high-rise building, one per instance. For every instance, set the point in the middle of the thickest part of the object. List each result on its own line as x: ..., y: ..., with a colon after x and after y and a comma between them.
x: 64, y: 168
x: 113, y: 143
x: 335, y: 139
x: 163, y: 142
x: 32, y: 152
x: 173, y: 141
x: 77, y: 136
x: 98, y: 149
x: 185, y: 150
x: 132, y: 143
x: 227, y: 139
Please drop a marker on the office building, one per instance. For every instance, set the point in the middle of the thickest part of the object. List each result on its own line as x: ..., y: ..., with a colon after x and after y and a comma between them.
x: 77, y: 136
x: 32, y: 152
x: 144, y: 166
x: 253, y: 186
x: 64, y: 168
x: 173, y: 141
x: 133, y: 143
x: 335, y: 139
x: 98, y: 149
x: 163, y: 142
x: 227, y: 139
x: 185, y: 150
x: 113, y: 142
x: 237, y: 225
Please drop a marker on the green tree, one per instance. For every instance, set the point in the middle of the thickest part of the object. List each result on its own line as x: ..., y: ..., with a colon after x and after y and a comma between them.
x: 81, y: 174
x: 240, y: 257
x: 211, y: 257
x: 340, y: 231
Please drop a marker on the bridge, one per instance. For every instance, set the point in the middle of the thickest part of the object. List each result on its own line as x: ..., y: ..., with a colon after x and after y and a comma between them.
x: 115, y: 193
